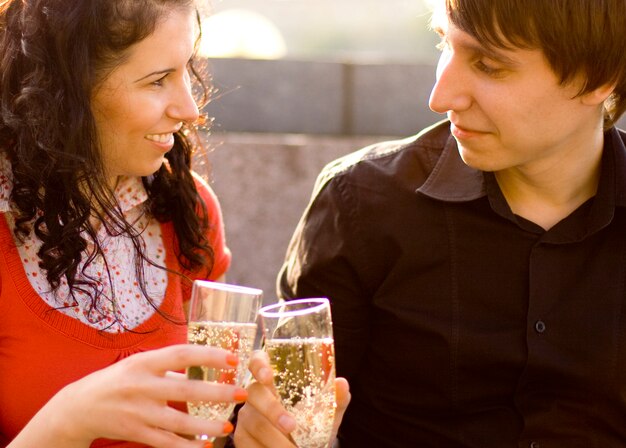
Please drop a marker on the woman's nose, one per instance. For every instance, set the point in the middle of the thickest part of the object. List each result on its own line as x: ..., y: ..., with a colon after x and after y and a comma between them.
x: 184, y: 107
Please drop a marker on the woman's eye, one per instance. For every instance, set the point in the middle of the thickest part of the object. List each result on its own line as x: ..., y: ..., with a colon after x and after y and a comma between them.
x: 159, y: 82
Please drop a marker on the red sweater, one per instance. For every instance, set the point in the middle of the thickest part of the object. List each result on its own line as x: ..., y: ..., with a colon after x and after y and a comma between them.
x: 42, y: 350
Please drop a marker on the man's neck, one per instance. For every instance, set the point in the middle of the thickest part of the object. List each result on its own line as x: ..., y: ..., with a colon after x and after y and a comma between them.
x: 546, y: 194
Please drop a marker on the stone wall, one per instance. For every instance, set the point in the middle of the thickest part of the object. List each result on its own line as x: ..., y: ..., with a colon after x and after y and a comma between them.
x: 329, y: 98
x: 264, y: 182
x: 277, y: 123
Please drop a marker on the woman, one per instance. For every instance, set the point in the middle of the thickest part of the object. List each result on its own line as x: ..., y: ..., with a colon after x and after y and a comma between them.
x: 104, y: 225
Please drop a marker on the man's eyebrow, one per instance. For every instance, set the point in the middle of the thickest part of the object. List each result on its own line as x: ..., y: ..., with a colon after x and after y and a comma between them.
x: 489, y: 51
x: 473, y: 46
x: 158, y: 72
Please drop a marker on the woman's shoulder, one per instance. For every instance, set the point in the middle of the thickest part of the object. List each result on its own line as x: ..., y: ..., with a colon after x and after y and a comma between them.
x: 205, y: 191
x: 216, y: 234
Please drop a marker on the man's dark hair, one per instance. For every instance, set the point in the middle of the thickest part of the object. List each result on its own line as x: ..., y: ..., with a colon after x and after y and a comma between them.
x: 582, y: 39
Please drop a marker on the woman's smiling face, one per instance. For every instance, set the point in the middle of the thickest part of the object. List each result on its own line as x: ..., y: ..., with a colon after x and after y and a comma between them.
x: 145, y: 100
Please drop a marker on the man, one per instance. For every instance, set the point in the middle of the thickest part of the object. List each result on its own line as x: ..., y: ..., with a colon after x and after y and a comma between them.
x: 477, y: 271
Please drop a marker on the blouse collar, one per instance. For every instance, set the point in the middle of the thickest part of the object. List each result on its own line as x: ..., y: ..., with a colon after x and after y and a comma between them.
x: 129, y: 192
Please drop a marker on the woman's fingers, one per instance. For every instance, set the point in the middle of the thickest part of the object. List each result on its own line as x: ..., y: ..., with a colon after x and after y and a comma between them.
x: 179, y: 357
x: 171, y: 386
x: 178, y: 388
x: 179, y: 422
x: 129, y: 400
x: 176, y: 376
x: 161, y: 438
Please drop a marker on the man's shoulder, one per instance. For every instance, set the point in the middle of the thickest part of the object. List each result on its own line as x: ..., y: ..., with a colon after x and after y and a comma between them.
x: 390, y: 157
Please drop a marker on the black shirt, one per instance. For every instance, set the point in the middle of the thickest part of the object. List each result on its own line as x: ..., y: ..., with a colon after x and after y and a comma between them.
x: 457, y: 323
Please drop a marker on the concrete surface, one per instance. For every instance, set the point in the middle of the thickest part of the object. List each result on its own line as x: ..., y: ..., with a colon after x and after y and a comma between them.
x: 264, y: 182
x: 285, y: 96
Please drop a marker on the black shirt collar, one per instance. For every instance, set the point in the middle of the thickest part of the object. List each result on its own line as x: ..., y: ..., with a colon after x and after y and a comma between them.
x: 451, y: 180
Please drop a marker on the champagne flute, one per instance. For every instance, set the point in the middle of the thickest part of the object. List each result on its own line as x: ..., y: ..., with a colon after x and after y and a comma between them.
x: 299, y: 342
x: 221, y: 315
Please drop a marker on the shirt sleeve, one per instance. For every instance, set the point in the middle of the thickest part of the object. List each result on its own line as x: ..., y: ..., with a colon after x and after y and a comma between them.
x: 215, y: 234
x: 325, y: 259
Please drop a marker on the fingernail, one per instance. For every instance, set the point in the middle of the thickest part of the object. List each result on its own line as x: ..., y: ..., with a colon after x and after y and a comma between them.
x: 208, y: 444
x: 286, y: 423
x: 232, y: 360
x: 241, y: 395
x: 228, y: 428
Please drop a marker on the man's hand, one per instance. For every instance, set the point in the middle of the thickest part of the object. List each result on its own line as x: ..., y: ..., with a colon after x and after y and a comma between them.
x: 263, y: 422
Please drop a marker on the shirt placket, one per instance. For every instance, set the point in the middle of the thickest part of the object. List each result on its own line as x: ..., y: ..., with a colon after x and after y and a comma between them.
x: 539, y: 327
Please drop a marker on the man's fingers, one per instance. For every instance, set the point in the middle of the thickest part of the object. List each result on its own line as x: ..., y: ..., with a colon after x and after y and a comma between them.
x: 342, y: 394
x: 255, y: 430
x: 260, y: 368
x: 342, y: 391
x: 263, y: 422
x: 264, y: 402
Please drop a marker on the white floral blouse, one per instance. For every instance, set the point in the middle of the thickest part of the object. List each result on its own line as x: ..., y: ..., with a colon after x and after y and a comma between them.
x: 121, y: 304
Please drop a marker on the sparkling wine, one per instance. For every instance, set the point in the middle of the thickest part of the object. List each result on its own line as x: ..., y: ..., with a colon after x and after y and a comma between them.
x: 236, y: 337
x: 304, y: 377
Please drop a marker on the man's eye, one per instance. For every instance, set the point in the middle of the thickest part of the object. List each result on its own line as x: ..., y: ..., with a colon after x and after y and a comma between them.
x: 481, y: 66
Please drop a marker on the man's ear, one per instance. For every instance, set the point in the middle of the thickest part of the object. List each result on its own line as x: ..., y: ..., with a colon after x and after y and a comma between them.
x: 599, y: 95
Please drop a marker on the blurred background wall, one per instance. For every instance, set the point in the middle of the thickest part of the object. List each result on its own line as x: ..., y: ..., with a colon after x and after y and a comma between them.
x: 298, y: 83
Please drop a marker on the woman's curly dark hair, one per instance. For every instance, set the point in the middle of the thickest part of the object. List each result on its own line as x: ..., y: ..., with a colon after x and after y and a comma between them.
x: 53, y: 54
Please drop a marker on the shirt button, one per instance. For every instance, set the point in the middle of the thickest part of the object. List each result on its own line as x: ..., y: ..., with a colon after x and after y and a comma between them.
x: 540, y: 327
x: 534, y: 445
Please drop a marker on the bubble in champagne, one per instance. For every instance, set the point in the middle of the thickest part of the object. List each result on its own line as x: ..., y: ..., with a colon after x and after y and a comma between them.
x: 304, y: 377
x: 235, y: 337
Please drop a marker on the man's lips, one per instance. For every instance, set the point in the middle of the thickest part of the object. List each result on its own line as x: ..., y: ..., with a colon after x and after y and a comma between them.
x: 465, y: 132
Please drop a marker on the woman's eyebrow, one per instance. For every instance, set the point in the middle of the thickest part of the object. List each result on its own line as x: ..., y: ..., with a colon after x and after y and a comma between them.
x: 158, y: 72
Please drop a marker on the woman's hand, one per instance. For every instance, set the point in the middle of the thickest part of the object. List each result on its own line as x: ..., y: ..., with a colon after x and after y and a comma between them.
x: 263, y: 422
x: 128, y: 401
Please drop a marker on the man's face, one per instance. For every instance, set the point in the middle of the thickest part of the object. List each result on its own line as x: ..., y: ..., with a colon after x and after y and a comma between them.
x: 507, y: 108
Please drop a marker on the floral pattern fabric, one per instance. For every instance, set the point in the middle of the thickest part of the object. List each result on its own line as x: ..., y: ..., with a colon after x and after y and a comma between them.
x: 120, y: 304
